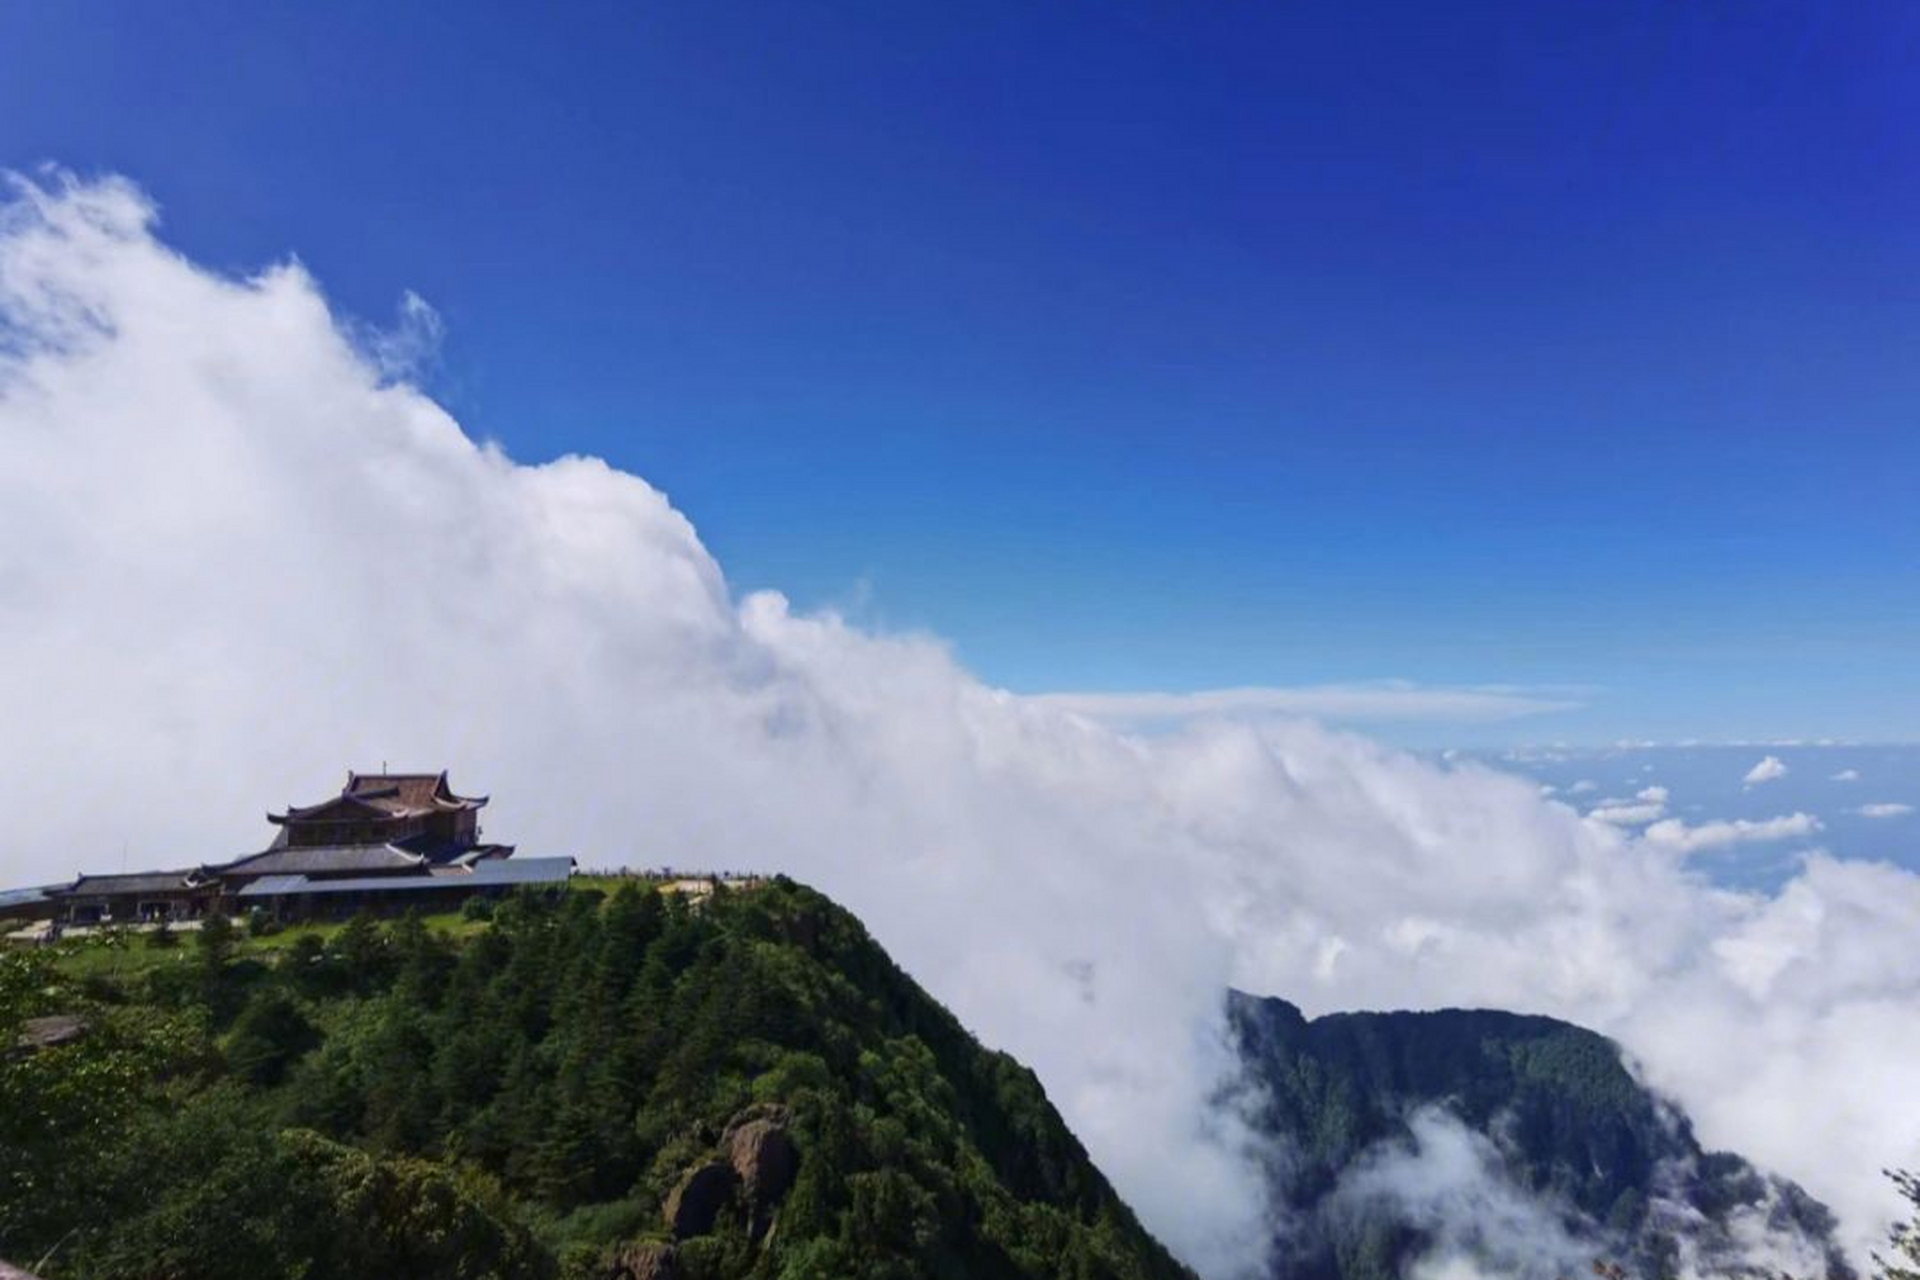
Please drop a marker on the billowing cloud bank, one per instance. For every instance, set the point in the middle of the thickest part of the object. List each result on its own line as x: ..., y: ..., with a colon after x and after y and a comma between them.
x: 235, y: 558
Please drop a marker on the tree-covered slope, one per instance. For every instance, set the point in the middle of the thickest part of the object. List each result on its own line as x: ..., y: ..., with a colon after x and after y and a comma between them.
x: 586, y: 1085
x: 1502, y: 1142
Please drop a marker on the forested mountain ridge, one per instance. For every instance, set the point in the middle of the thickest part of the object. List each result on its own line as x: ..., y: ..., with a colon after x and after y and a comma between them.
x: 1511, y: 1144
x: 585, y: 1085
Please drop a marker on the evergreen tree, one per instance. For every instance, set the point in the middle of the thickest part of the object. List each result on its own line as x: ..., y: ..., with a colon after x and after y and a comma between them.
x: 1905, y: 1238
x: 394, y: 1103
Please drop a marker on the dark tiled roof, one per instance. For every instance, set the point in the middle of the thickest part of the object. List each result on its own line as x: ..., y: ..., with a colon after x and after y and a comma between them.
x: 324, y: 860
x: 356, y: 804
x: 409, y: 792
x: 132, y: 882
x: 438, y: 851
x: 481, y: 853
x: 394, y: 795
x: 493, y: 873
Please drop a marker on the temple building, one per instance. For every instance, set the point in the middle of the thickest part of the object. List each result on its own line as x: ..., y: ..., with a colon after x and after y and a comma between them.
x: 385, y: 808
x: 387, y: 840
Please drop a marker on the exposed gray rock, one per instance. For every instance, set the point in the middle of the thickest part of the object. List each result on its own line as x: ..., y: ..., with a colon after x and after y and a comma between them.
x: 765, y: 1160
x: 45, y: 1033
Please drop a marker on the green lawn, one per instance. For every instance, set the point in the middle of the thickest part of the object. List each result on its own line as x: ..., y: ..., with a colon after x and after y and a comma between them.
x: 128, y: 954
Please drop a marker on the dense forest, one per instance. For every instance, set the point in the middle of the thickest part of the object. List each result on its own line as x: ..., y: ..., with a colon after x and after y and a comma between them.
x: 610, y: 1082
x: 1606, y: 1169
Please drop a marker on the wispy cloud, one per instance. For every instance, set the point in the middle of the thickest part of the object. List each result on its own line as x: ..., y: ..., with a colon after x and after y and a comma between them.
x: 1676, y: 834
x: 1370, y: 703
x: 1646, y: 805
x: 1847, y: 775
x: 1884, y: 810
x: 408, y: 348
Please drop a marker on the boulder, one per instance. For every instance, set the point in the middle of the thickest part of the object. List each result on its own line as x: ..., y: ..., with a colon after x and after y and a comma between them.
x: 778, y: 1112
x: 50, y: 1032
x: 694, y: 1204
x: 764, y: 1158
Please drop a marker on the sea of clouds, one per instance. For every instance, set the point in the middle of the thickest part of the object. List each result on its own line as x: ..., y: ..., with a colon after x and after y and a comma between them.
x: 239, y: 553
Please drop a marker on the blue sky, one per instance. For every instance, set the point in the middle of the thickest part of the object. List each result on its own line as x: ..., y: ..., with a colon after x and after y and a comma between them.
x: 1140, y: 346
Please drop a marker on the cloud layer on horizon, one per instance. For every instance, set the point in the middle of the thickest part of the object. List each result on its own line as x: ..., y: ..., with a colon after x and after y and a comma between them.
x: 1376, y: 702
x: 239, y: 556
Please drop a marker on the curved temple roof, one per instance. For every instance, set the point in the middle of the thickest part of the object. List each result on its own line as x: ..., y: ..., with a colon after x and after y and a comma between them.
x: 326, y: 860
x: 388, y: 795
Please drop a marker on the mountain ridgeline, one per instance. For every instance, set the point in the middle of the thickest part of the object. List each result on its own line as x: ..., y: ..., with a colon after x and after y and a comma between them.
x: 1499, y: 1144
x: 590, y: 1084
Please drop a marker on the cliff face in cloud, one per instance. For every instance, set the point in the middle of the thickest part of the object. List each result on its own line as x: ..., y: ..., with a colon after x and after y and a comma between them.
x: 1416, y: 1143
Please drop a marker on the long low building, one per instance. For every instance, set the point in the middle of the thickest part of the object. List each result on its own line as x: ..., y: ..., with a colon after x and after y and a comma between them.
x: 297, y: 895
x: 386, y: 840
x: 26, y: 905
x: 138, y: 897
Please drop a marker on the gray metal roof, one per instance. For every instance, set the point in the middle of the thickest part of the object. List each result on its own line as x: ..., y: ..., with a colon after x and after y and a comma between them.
x: 21, y: 897
x: 269, y: 886
x: 512, y: 871
x: 493, y: 873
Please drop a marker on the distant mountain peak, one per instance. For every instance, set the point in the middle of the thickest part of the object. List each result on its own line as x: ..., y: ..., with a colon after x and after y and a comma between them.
x: 1476, y: 1141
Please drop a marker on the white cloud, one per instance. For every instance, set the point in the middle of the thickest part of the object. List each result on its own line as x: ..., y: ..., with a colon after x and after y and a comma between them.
x: 1451, y: 1184
x: 1888, y: 810
x: 1647, y: 804
x: 236, y: 557
x: 1769, y: 768
x: 1383, y: 701
x: 1583, y: 787
x: 1626, y: 815
x: 1675, y: 834
x: 1847, y: 775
